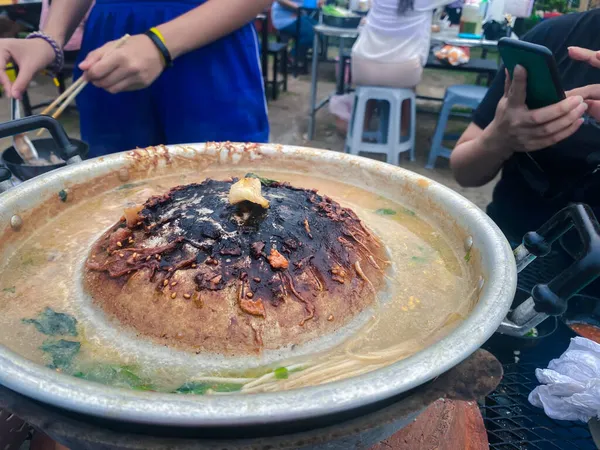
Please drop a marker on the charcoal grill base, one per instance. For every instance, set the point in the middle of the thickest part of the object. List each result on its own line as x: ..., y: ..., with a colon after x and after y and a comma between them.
x: 472, y: 379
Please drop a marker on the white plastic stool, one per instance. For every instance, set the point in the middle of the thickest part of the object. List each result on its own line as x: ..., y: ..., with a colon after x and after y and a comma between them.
x: 394, y: 144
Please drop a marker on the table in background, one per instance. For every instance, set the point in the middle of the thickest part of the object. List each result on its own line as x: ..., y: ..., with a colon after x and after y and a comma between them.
x: 450, y: 36
x: 325, y: 31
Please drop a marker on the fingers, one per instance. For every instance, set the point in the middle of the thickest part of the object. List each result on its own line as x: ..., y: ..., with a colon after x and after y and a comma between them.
x: 540, y: 143
x: 4, y: 80
x: 594, y: 109
x: 128, y: 84
x: 26, y: 74
x: 592, y: 57
x: 517, y: 92
x: 589, y: 92
x: 102, y: 68
x: 560, y: 123
x: 113, y: 78
x: 549, y: 113
x: 92, y: 58
x: 506, y: 82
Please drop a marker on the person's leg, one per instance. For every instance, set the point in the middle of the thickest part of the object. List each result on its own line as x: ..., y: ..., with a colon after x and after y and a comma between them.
x: 307, y: 32
x: 222, y: 101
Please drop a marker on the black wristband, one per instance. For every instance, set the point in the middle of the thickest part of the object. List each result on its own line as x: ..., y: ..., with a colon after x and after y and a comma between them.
x: 162, y: 48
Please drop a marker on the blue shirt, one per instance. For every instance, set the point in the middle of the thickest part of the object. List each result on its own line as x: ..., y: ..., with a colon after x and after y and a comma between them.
x: 283, y: 17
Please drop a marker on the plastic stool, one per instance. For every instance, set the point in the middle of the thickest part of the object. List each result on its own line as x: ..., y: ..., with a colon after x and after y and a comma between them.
x: 390, y: 124
x: 463, y: 95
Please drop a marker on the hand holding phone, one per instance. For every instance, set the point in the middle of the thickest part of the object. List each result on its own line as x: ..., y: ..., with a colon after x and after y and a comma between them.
x: 520, y: 129
x: 543, y: 82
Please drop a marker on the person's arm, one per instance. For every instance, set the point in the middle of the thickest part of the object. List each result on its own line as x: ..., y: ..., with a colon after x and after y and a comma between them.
x: 208, y: 22
x: 33, y: 55
x: 64, y: 18
x: 137, y: 63
x: 480, y: 153
x: 478, y: 156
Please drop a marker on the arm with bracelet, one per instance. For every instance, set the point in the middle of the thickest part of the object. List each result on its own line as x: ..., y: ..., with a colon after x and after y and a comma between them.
x: 42, y: 49
x: 138, y: 63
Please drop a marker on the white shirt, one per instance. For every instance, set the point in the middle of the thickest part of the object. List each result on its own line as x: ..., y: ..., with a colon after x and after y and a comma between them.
x: 409, y: 33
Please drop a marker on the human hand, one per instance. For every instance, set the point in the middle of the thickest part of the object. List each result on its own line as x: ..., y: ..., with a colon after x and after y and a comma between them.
x: 591, y: 95
x: 592, y: 57
x: 515, y: 128
x: 134, y: 65
x: 30, y: 55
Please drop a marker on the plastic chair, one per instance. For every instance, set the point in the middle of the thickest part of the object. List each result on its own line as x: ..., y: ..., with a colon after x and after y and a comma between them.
x: 389, y: 123
x: 464, y: 95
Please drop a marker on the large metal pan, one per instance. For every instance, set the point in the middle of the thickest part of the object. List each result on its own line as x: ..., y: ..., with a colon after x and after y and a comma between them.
x: 314, y: 406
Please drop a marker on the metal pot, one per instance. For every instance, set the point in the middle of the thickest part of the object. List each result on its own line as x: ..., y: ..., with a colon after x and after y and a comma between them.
x: 13, y: 162
x: 70, y: 150
x: 315, y: 406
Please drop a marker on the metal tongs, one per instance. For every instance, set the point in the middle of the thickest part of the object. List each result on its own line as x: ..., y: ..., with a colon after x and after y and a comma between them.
x: 552, y: 298
x: 22, y: 144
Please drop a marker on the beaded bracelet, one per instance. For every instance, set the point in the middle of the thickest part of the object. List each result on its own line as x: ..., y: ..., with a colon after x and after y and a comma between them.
x: 59, y: 56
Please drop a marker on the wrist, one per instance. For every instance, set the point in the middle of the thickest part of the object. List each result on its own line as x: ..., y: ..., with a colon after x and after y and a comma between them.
x: 171, y: 40
x: 57, y: 36
x: 158, y: 41
x: 493, y: 142
x: 55, y: 56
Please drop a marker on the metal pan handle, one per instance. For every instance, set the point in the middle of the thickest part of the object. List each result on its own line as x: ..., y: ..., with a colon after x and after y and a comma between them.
x: 552, y: 298
x: 5, y: 179
x: 68, y: 151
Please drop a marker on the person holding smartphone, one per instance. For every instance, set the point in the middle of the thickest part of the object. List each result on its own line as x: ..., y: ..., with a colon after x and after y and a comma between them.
x: 546, y: 158
x: 543, y: 154
x: 189, y: 72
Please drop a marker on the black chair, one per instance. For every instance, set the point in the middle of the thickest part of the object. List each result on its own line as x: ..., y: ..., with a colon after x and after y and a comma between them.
x: 279, y: 51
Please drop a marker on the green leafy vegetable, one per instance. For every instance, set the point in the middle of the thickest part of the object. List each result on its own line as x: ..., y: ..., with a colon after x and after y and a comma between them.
x: 532, y: 333
x: 61, y: 352
x: 410, y: 212
x: 200, y: 388
x: 281, y: 373
x: 264, y: 181
x: 9, y: 289
x: 62, y: 194
x: 121, y: 376
x: 130, y: 185
x: 51, y: 323
x: 468, y: 255
x: 419, y: 259
x: 385, y: 212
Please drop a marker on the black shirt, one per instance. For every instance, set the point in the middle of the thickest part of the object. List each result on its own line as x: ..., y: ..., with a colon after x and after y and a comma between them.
x: 530, y: 190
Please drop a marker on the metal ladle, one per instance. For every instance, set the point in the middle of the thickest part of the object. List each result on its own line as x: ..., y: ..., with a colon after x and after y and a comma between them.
x: 21, y: 142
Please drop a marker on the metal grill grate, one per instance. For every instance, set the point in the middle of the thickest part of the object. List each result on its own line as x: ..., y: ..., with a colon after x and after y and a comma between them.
x: 513, y: 423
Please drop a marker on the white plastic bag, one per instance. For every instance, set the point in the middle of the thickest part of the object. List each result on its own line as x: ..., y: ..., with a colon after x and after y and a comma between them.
x: 570, y: 387
x: 341, y: 107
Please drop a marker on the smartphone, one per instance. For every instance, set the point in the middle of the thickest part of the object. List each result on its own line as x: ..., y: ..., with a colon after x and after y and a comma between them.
x: 543, y: 83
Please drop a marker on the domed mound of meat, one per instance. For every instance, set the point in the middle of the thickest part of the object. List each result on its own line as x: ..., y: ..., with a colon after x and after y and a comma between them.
x: 233, y: 267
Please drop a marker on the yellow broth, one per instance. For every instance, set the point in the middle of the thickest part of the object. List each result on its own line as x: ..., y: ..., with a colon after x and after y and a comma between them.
x: 430, y: 287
